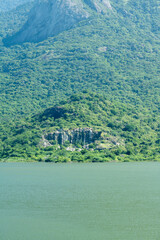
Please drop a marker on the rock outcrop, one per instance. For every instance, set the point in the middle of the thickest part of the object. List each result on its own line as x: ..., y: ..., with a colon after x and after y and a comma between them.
x: 100, y: 6
x: 7, y: 5
x: 82, y: 136
x: 50, y: 17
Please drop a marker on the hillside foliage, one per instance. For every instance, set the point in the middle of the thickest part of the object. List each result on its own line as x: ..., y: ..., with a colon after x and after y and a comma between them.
x: 116, y: 56
x: 134, y: 132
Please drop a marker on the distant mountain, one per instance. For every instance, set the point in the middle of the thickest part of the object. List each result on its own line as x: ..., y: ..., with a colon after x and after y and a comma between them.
x: 51, y: 17
x: 68, y: 47
x: 115, y: 53
x: 48, y: 18
x: 7, y: 5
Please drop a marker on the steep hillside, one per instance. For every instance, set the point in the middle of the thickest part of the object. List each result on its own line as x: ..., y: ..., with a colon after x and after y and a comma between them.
x: 48, y: 18
x: 7, y: 5
x: 51, y: 17
x: 116, y: 54
x: 86, y: 127
x: 12, y: 20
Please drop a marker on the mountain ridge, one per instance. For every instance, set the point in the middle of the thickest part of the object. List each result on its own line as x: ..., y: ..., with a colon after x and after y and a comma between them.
x: 114, y: 54
x: 51, y: 17
x: 8, y: 5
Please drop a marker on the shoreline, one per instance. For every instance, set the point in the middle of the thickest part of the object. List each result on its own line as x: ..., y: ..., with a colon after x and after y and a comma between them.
x: 79, y: 162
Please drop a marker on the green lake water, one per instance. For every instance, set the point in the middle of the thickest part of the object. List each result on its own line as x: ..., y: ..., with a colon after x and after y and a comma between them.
x: 119, y: 201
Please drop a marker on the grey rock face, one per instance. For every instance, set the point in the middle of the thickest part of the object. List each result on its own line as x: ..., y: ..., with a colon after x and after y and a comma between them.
x: 7, y: 5
x: 50, y: 17
x: 81, y: 136
x: 100, y: 6
x: 44, y: 142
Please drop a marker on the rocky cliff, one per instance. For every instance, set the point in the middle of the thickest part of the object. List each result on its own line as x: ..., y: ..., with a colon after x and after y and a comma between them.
x: 7, y: 5
x: 50, y: 17
x: 81, y: 136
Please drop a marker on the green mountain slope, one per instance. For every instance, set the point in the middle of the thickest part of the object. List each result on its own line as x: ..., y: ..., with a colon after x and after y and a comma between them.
x: 86, y: 127
x: 117, y: 55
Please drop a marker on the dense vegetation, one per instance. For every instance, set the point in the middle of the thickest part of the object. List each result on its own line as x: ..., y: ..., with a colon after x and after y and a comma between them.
x: 127, y: 133
x: 115, y: 55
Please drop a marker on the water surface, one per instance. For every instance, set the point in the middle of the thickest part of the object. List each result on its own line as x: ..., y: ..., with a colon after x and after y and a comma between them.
x: 119, y: 201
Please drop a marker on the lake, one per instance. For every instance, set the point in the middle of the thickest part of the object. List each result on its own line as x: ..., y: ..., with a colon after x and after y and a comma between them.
x: 119, y: 201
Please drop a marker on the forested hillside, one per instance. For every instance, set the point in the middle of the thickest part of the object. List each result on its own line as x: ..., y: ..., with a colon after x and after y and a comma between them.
x: 85, y: 127
x: 115, y: 54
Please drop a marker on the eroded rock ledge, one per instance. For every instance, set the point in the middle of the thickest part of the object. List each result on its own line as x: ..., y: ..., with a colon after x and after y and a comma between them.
x: 80, y: 136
